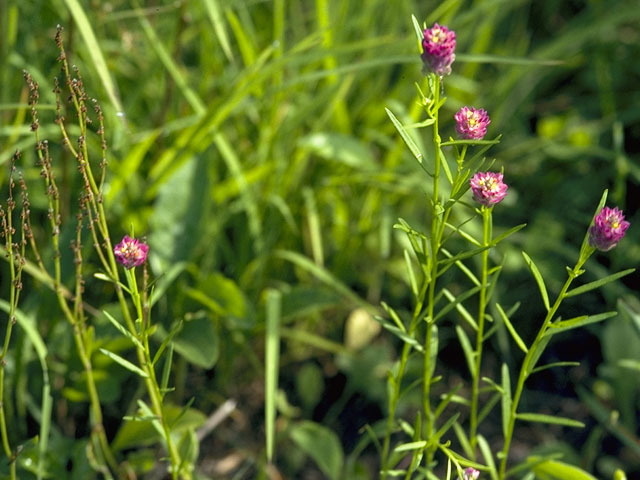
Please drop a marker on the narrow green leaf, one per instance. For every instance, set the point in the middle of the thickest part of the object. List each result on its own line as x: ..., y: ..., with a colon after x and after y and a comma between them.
x: 461, y: 309
x: 508, y: 233
x: 541, y: 418
x: 124, y: 363
x: 536, y: 274
x: 555, y: 364
x: 488, y: 457
x: 215, y: 16
x: 313, y: 340
x: 506, y: 398
x: 538, y: 349
x: 461, y: 435
x: 512, y: 330
x: 598, y: 283
x: 405, y: 447
x: 445, y: 428
x: 412, y: 276
x: 469, y: 354
x: 406, y: 137
x: 577, y: 322
x: 123, y: 330
x: 555, y: 470
x: 272, y: 360
x: 458, y: 299
x: 394, y: 316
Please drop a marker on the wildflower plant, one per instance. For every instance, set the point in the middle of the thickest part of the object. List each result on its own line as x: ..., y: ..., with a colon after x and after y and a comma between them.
x: 134, y: 300
x: 414, y: 447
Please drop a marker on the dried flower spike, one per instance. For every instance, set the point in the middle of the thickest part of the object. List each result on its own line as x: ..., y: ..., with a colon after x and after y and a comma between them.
x: 130, y: 252
x: 438, y: 47
x: 471, y: 123
x: 609, y: 226
x: 488, y: 188
x: 471, y: 474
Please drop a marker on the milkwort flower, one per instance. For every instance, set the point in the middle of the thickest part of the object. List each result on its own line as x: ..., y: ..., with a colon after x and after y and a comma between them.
x: 488, y: 188
x: 471, y: 474
x: 609, y: 226
x: 438, y: 47
x: 130, y: 252
x: 472, y: 123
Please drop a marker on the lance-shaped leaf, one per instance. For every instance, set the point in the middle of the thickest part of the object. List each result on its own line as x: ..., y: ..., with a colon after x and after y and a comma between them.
x: 598, y: 283
x: 536, y: 274
x: 541, y: 418
x: 406, y: 137
x: 577, y: 322
x: 512, y: 330
x: 125, y: 363
x: 506, y: 399
x: 458, y: 299
x: 469, y: 354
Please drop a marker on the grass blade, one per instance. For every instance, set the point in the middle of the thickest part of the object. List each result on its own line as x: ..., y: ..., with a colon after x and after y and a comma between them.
x: 271, y: 365
x: 96, y: 53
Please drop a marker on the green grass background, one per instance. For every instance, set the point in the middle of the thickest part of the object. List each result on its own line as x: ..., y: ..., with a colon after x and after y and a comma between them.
x: 249, y: 143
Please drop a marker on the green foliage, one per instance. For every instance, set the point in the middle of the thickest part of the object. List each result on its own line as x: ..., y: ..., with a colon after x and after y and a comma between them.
x: 254, y: 145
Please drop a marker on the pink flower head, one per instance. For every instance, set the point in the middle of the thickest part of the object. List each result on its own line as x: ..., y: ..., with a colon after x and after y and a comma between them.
x: 471, y: 474
x: 488, y: 188
x: 438, y: 47
x: 472, y: 123
x: 130, y: 252
x: 609, y: 226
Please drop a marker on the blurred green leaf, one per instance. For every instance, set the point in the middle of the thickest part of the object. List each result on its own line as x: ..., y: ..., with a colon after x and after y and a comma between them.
x: 198, y: 342
x: 554, y: 469
x: 322, y: 445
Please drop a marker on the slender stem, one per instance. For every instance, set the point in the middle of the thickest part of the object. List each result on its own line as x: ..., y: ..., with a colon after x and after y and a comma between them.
x: 436, y: 232
x: 484, y: 258
x: 395, y: 395
x: 526, y: 363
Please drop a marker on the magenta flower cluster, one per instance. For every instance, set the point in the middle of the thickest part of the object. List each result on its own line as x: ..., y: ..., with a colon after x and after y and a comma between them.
x: 488, y: 188
x: 471, y: 123
x: 130, y: 252
x: 471, y: 474
x: 609, y: 226
x: 438, y: 47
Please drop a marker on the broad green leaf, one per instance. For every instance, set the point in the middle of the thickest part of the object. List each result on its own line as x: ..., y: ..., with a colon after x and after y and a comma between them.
x: 556, y: 470
x: 506, y: 398
x: 564, y: 325
x: 598, y: 283
x: 124, y: 363
x: 178, y: 217
x: 322, y: 445
x: 541, y: 418
x: 406, y: 137
x: 198, y: 341
x: 512, y: 330
x: 139, y: 430
x: 538, y: 277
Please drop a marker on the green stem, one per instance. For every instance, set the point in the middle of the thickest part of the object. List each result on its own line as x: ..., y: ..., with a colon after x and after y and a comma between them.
x: 526, y: 363
x: 484, y: 256
x: 436, y: 232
